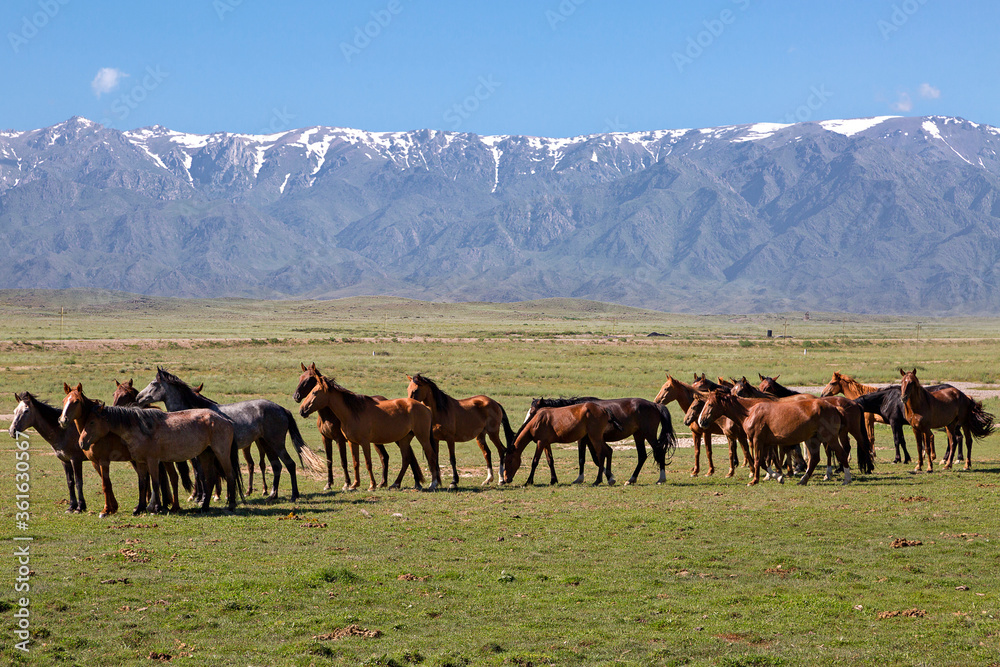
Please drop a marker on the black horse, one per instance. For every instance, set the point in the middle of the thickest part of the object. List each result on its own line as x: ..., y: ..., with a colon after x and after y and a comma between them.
x: 637, y: 417
x: 888, y: 404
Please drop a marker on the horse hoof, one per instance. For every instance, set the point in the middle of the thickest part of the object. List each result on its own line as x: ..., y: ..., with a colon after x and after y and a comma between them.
x: 709, y: 473
x: 453, y: 486
x: 612, y: 481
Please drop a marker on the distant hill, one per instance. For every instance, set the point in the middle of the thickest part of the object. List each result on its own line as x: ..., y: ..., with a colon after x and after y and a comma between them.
x: 889, y: 214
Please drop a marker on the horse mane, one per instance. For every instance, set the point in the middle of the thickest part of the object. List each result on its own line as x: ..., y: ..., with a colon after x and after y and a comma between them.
x: 190, y: 396
x: 561, y: 402
x: 131, y: 417
x: 355, y: 403
x: 46, y: 410
x: 440, y: 398
x: 860, y: 388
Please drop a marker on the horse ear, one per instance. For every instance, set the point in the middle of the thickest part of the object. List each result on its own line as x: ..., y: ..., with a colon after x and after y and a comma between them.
x: 312, y: 367
x: 914, y: 372
x: 79, y: 387
x: 760, y: 376
x: 198, y: 389
x: 304, y: 369
x: 67, y: 389
x: 117, y: 383
x: 130, y: 383
x: 775, y: 378
x: 902, y: 373
x: 408, y: 377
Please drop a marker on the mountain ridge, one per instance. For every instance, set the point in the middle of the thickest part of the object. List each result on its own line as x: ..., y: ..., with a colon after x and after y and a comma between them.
x: 757, y: 217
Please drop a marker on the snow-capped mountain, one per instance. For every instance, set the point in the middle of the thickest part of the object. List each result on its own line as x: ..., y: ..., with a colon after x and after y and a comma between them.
x: 889, y: 214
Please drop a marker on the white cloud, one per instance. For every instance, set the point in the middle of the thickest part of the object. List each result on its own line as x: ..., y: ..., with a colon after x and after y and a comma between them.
x: 903, y: 103
x: 107, y: 79
x: 929, y: 92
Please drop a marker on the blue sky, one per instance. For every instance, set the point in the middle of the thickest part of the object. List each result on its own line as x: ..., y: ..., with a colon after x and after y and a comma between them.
x: 546, y: 68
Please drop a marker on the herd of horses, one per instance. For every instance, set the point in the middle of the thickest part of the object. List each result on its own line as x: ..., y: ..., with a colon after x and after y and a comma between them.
x: 769, y: 423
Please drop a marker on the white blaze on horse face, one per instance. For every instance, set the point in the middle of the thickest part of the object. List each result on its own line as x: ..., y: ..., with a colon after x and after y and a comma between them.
x: 62, y: 415
x: 527, y: 416
x: 19, y: 411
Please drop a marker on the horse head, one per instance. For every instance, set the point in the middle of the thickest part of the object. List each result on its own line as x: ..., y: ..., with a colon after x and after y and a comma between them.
x: 668, y: 392
x: 306, y: 381
x: 23, y: 414
x: 715, y: 406
x: 909, y: 384
x: 72, y: 404
x: 834, y: 386
x: 125, y: 393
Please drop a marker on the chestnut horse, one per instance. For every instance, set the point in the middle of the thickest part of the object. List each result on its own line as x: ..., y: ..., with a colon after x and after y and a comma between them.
x: 365, y: 421
x: 640, y: 419
x: 329, y: 429
x: 461, y: 420
x: 570, y: 423
x: 153, y: 436
x: 779, y: 424
x: 675, y: 390
x: 947, y: 407
x: 854, y: 421
x: 852, y: 389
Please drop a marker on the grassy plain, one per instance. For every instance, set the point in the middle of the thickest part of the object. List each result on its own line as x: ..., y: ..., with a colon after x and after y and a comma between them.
x: 697, y: 571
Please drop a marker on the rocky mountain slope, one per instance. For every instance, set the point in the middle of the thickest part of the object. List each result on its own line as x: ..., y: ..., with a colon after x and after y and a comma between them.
x: 889, y: 214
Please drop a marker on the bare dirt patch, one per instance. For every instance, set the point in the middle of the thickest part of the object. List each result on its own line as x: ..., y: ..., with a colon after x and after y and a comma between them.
x: 909, y: 613
x: 899, y: 543
x: 351, y: 630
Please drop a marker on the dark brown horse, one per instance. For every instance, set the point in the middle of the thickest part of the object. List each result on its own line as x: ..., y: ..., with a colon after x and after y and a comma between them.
x: 329, y: 429
x: 570, y: 423
x: 684, y: 394
x: 639, y: 418
x: 365, y: 421
x: 771, y: 424
x: 461, y: 420
x: 949, y: 408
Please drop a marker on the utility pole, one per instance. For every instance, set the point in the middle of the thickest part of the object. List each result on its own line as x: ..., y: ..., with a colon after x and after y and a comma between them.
x: 62, y: 311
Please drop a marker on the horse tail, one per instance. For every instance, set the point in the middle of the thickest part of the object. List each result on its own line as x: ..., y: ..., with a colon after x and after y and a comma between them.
x: 668, y: 439
x: 980, y: 422
x: 185, y: 473
x: 307, y: 457
x: 508, y: 432
x: 234, y: 462
x: 866, y: 457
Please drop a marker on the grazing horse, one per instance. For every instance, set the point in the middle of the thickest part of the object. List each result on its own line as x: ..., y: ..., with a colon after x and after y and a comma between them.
x: 461, y: 420
x: 771, y: 424
x: 854, y: 421
x: 947, y: 407
x: 329, y: 430
x: 640, y: 419
x: 365, y: 421
x: 570, y: 423
x: 684, y: 394
x: 260, y: 421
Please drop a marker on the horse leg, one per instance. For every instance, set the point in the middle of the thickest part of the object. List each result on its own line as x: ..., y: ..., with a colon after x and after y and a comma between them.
x: 263, y: 477
x: 734, y: 460
x: 454, y: 468
x: 155, y: 505
x: 70, y: 484
x: 757, y: 452
x: 696, y: 435
x: 640, y: 450
x: 870, y: 426
x: 968, y: 444
x: 250, y: 468
x: 582, y: 446
x: 366, y: 449
x: 173, y: 479
x: 328, y: 449
x: 357, y: 470
x: 708, y: 455
x: 207, y: 459
x: 899, y: 440
x: 383, y: 457
x: 552, y: 464
x: 485, y: 449
x: 275, y: 458
x: 110, y: 503
x: 277, y: 449
x: 812, y: 448
x: 142, y: 472
x: 539, y: 447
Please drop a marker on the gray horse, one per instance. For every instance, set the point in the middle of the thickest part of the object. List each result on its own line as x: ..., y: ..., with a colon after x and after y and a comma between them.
x: 259, y: 420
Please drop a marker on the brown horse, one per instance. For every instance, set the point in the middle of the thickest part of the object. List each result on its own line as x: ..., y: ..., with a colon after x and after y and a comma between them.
x: 329, y: 430
x: 153, y: 436
x: 852, y: 389
x: 461, y: 420
x: 779, y: 424
x: 570, y: 423
x: 365, y: 421
x: 948, y: 408
x: 675, y: 390
x: 853, y: 422
x: 125, y: 396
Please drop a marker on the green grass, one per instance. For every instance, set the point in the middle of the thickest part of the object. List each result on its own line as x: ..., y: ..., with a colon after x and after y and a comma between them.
x: 697, y: 571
